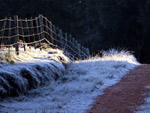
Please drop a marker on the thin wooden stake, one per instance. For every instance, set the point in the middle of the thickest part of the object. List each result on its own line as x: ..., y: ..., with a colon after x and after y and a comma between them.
x: 73, y: 43
x: 27, y: 30
x: 66, y: 42
x: 70, y: 40
x: 76, y: 45
x: 41, y: 26
x: 3, y: 32
x: 23, y: 35
x: 39, y: 38
x: 79, y: 50
x: 54, y: 35
x: 9, y: 30
x: 61, y: 38
x: 33, y: 32
x: 17, y: 34
x: 46, y: 24
x: 51, y: 33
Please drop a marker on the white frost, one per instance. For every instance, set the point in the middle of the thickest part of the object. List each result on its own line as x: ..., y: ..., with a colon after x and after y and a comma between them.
x: 76, y: 90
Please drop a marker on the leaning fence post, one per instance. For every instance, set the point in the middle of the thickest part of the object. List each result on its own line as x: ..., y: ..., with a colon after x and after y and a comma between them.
x: 17, y: 35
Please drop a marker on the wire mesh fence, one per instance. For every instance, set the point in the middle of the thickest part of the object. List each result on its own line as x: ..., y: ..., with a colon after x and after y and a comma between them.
x: 34, y: 32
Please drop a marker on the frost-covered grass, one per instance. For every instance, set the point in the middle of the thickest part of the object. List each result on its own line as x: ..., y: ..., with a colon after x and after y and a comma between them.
x: 35, y: 55
x: 32, y: 68
x: 76, y: 90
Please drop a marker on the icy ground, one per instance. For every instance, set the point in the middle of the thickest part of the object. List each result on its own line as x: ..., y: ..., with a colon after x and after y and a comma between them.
x: 76, y: 90
x: 145, y: 108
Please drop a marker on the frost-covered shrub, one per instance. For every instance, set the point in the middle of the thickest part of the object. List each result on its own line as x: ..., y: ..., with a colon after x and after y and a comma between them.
x: 119, y: 55
x: 112, y: 52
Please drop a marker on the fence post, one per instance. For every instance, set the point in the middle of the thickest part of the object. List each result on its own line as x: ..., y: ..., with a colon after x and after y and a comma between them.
x: 61, y: 38
x: 70, y: 40
x: 76, y: 47
x: 46, y: 32
x: 3, y: 32
x: 9, y: 30
x: 41, y: 26
x: 66, y: 42
x: 23, y: 35
x: 37, y: 29
x: 32, y: 31
x: 28, y: 38
x: 79, y: 50
x: 88, y: 52
x: 82, y: 54
x: 85, y: 53
x: 57, y: 38
x: 17, y: 34
x: 54, y: 35
x: 70, y: 43
x: 73, y: 44
x: 51, y: 33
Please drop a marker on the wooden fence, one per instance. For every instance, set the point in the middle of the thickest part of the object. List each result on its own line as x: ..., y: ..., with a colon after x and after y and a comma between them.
x: 34, y: 32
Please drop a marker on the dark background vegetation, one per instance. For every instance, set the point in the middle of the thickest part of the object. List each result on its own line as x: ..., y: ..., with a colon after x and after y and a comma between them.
x: 97, y: 24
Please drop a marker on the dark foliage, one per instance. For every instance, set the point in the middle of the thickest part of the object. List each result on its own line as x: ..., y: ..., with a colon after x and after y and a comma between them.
x: 97, y: 24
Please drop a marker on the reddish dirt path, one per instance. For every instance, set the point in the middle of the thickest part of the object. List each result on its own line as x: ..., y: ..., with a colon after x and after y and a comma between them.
x: 126, y: 95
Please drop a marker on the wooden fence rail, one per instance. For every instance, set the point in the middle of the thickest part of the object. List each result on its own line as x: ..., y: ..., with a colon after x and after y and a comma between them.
x: 33, y: 32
